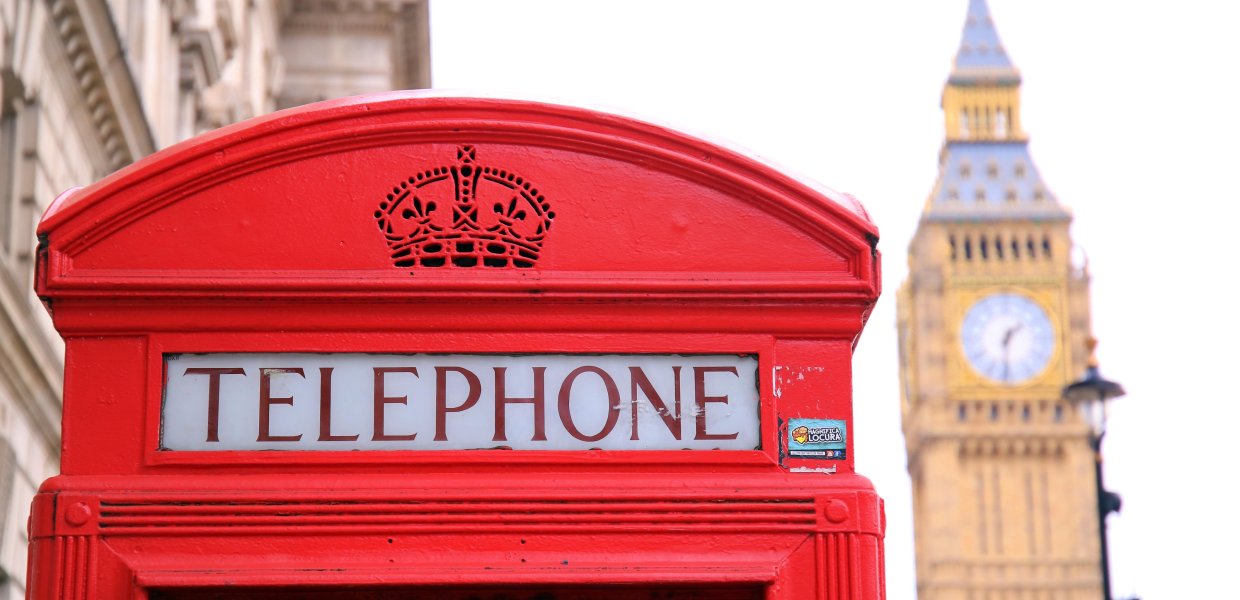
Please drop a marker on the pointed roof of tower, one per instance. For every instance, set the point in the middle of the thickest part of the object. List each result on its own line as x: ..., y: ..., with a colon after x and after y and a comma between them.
x: 981, y: 56
x: 981, y: 181
x: 985, y: 172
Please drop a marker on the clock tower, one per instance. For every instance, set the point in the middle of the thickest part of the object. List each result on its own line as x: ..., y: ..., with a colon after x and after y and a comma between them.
x: 993, y: 322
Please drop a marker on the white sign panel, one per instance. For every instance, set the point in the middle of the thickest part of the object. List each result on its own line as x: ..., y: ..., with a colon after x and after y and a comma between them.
x: 459, y: 401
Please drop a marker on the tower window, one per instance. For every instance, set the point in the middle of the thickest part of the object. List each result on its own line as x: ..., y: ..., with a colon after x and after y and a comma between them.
x: 982, y: 247
x: 1058, y: 413
x: 994, y: 412
x: 979, y: 194
x: 992, y: 170
x: 952, y: 240
x: 998, y: 248
x: 1015, y: 249
x: 964, y: 120
x: 961, y: 412
x: 1039, y: 195
x: 1019, y: 170
x: 966, y: 170
x: 1011, y: 195
x: 1029, y: 246
x: 1025, y: 413
x: 953, y: 194
x: 1046, y: 246
x: 968, y: 248
x: 1001, y: 124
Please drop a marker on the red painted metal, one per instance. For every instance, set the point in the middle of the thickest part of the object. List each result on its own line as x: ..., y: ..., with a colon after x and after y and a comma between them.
x: 262, y: 237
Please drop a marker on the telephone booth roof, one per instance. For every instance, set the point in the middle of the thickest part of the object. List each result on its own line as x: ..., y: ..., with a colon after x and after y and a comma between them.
x: 287, y: 204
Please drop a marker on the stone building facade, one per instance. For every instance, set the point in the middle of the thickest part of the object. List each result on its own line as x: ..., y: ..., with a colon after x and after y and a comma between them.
x: 88, y: 86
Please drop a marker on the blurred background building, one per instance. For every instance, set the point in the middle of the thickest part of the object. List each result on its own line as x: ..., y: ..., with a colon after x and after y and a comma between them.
x: 89, y: 86
x: 993, y: 322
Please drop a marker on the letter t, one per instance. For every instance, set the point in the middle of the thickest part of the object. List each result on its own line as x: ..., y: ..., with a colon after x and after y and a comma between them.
x: 213, y: 397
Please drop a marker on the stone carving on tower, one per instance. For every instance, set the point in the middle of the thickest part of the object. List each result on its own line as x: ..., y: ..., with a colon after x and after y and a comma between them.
x: 992, y: 324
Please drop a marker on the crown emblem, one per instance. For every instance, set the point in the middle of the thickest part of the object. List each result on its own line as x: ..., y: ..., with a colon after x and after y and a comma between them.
x: 464, y: 215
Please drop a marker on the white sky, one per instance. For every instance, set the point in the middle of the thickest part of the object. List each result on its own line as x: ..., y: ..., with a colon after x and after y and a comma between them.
x: 1133, y: 109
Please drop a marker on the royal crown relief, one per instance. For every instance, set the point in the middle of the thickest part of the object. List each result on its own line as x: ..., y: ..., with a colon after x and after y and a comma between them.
x: 465, y: 215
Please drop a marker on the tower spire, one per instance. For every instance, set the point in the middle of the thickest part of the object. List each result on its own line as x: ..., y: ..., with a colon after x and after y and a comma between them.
x: 981, y: 57
x: 986, y: 171
x: 981, y: 101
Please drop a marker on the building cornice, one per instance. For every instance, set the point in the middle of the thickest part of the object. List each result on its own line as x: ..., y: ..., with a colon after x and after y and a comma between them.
x: 107, y: 85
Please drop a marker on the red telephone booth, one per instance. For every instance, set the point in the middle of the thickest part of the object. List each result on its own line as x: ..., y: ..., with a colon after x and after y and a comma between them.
x: 404, y: 347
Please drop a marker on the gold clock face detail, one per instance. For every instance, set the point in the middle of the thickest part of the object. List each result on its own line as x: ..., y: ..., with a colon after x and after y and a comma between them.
x: 1007, y: 338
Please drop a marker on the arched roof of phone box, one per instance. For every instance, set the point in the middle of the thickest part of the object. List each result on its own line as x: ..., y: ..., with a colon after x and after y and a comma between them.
x: 401, y: 195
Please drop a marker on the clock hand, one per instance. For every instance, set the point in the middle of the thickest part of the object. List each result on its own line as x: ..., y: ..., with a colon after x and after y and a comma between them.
x: 1009, y: 334
x: 1007, y: 348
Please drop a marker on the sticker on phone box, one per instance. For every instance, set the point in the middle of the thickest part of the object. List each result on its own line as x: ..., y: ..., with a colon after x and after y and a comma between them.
x: 817, y: 438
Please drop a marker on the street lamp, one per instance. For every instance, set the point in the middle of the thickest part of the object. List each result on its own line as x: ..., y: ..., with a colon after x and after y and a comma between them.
x: 1090, y: 395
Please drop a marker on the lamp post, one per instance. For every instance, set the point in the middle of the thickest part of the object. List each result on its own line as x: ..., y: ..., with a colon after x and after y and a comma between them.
x: 1090, y: 395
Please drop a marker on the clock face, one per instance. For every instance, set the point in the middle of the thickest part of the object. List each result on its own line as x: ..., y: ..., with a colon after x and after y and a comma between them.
x: 1007, y: 338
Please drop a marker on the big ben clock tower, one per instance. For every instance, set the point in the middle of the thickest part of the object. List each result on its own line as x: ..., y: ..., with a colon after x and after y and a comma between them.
x: 993, y: 322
